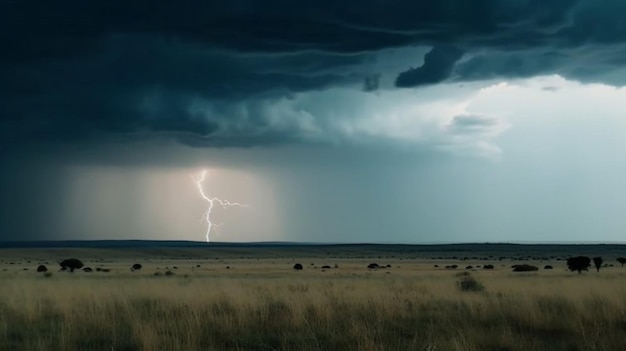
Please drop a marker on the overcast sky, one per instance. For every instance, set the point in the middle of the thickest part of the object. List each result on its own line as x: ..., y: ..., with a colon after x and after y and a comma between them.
x: 334, y: 121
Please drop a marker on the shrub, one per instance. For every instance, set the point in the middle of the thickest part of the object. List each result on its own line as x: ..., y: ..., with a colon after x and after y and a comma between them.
x: 297, y: 267
x: 136, y: 267
x: 621, y: 260
x: 488, y: 266
x: 547, y: 267
x: 71, y: 264
x: 597, y: 261
x: 524, y: 268
x: 169, y: 273
x: 373, y: 266
x: 469, y: 283
x: 579, y: 263
x: 42, y: 268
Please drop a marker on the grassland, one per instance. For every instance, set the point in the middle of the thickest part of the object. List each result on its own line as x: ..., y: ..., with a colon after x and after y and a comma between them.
x: 260, y: 303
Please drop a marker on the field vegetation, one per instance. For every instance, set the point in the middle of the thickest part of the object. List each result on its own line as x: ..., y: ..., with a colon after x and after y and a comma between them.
x: 264, y: 304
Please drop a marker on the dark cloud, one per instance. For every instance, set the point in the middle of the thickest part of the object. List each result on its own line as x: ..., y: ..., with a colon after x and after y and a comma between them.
x: 83, y: 71
x: 438, y: 64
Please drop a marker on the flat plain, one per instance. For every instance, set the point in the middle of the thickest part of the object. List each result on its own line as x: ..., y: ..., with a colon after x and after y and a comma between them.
x: 249, y: 297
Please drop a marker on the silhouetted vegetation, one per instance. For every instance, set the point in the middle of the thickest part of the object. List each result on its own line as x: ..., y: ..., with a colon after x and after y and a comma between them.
x: 297, y: 267
x: 547, y: 267
x: 621, y: 260
x: 71, y: 264
x: 42, y: 268
x: 469, y: 283
x: 325, y: 267
x: 373, y: 266
x: 597, y: 261
x: 578, y: 263
x: 136, y: 267
x: 524, y: 268
x: 488, y: 266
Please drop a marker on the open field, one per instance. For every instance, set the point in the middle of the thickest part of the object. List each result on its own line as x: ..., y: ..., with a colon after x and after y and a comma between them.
x: 247, y: 298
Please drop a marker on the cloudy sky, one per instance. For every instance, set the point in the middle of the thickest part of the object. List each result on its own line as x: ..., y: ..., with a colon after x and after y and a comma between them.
x: 334, y: 121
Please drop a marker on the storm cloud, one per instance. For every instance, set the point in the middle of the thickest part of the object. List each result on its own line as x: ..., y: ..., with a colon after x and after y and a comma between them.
x: 355, y: 121
x: 211, y: 73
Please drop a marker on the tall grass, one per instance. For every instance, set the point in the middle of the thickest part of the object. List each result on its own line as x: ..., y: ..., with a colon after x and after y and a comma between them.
x: 300, y: 312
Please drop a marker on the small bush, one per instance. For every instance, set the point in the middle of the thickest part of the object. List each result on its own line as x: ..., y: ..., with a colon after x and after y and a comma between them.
x: 71, y: 264
x: 469, y: 283
x: 524, y: 268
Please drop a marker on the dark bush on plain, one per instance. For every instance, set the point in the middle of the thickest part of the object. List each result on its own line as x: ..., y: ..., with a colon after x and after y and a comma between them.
x: 488, y: 266
x: 547, y: 267
x: 621, y: 260
x: 71, y: 264
x: 169, y: 273
x: 597, y: 261
x: 325, y: 267
x: 469, y: 283
x: 373, y: 266
x: 578, y: 263
x: 297, y: 267
x: 525, y: 268
x: 42, y: 268
x: 136, y: 267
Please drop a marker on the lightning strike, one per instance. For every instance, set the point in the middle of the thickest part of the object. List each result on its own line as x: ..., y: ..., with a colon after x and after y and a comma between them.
x: 212, y: 201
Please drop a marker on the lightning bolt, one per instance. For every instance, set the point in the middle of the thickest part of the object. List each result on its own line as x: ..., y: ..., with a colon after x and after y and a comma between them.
x: 212, y: 201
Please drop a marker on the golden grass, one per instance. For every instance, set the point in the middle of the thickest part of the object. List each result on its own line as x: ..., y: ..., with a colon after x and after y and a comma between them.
x: 265, y: 305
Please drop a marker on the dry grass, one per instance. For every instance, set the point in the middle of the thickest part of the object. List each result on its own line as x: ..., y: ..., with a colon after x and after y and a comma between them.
x: 265, y: 305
